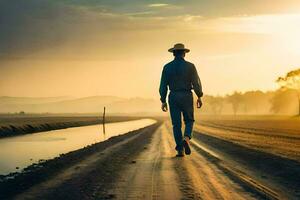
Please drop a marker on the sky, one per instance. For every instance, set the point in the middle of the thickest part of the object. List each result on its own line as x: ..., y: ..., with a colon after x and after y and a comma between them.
x: 115, y: 47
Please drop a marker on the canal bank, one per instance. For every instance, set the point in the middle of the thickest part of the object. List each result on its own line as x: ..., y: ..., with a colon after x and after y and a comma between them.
x: 11, y: 125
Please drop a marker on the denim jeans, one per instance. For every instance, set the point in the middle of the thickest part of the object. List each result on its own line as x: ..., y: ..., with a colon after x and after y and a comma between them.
x: 181, y: 103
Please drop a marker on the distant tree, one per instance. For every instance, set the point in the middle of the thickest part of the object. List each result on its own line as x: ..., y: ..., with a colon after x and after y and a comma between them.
x: 283, y: 101
x: 291, y: 81
x: 236, y: 99
x: 253, y: 100
x: 21, y: 113
x: 219, y: 104
x: 216, y: 104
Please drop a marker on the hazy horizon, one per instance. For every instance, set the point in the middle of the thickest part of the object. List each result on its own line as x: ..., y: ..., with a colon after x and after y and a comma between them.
x: 111, y: 48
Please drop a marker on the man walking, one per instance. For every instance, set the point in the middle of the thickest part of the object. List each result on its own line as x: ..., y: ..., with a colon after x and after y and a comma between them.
x: 181, y: 77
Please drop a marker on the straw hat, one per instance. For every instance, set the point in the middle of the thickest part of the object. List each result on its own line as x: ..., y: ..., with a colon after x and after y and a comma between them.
x: 179, y: 46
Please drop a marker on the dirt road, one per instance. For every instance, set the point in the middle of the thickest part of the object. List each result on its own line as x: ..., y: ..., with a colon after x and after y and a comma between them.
x: 159, y: 175
x: 144, y: 166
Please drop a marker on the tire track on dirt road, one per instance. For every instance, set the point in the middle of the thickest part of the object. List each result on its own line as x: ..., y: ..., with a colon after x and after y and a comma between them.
x: 202, y: 179
x: 239, y: 176
x: 152, y: 176
x: 268, y: 174
x: 158, y: 174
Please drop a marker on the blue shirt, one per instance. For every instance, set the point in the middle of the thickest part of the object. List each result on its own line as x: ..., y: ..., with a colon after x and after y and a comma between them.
x: 179, y: 75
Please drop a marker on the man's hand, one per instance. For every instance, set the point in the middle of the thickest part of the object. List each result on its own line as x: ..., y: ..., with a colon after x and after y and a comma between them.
x: 199, y: 103
x: 164, y: 107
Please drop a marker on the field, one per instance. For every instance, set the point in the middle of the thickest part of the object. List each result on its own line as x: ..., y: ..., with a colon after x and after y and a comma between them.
x: 276, y: 135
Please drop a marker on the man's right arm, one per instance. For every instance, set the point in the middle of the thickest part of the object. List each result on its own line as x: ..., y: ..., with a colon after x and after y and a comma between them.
x: 163, y: 88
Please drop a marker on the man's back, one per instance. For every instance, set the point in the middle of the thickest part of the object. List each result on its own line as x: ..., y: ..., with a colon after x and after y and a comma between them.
x: 179, y: 75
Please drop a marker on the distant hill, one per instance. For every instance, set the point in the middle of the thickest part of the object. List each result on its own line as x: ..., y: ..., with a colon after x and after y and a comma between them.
x: 30, y: 100
x: 78, y: 105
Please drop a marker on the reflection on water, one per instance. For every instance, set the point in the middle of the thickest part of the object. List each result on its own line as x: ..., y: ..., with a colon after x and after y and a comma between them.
x: 22, y: 151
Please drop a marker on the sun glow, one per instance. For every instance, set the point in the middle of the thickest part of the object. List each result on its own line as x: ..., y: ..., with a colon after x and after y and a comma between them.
x: 283, y: 28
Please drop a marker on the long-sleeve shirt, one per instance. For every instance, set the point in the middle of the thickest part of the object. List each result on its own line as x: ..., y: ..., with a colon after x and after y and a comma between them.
x: 179, y: 75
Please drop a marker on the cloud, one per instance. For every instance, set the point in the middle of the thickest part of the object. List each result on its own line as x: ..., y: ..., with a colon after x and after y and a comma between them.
x: 34, y: 26
x: 29, y: 25
x: 144, y: 13
x: 156, y: 5
x: 188, y: 18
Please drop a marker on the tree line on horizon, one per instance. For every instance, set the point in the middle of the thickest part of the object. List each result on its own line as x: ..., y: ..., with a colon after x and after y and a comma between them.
x: 284, y: 101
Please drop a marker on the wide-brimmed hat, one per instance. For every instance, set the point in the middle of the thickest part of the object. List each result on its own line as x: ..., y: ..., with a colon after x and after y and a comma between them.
x: 179, y: 46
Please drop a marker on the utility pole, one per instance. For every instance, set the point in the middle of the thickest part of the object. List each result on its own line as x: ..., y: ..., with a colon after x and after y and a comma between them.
x: 103, y: 120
